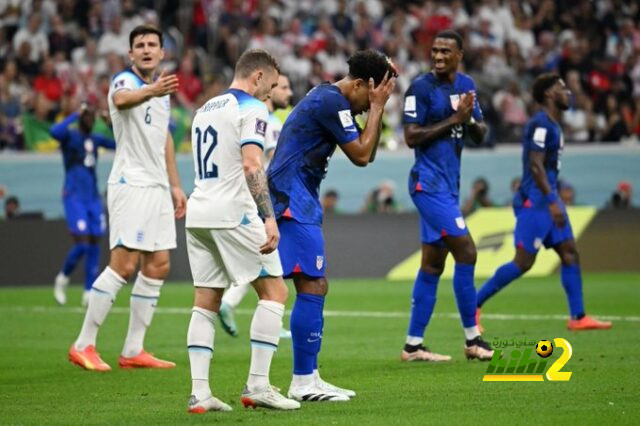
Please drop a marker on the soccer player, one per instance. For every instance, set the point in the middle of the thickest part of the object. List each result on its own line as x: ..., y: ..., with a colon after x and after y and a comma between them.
x: 279, y: 98
x: 541, y: 217
x: 440, y: 109
x: 143, y: 181
x: 80, y: 196
x: 322, y: 120
x: 227, y: 240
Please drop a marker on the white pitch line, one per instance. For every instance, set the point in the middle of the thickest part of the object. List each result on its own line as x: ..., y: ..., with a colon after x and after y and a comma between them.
x: 338, y: 314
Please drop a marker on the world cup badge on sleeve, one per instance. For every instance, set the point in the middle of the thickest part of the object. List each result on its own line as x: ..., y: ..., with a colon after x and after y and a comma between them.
x: 455, y: 101
x: 319, y: 262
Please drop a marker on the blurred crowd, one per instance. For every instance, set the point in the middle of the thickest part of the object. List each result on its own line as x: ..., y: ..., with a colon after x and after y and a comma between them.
x: 55, y: 54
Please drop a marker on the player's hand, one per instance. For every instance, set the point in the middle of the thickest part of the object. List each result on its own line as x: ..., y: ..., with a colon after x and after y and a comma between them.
x: 465, y: 108
x: 165, y: 84
x: 273, y: 236
x: 557, y: 214
x: 379, y: 96
x: 179, y: 202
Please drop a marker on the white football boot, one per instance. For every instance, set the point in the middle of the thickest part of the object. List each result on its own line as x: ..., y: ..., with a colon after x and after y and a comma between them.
x: 210, y: 404
x: 60, y: 288
x: 269, y: 397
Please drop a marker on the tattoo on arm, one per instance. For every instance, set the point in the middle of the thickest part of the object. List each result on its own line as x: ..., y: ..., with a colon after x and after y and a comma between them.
x: 259, y: 189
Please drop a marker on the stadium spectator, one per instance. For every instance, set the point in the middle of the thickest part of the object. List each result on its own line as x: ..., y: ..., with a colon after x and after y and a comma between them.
x: 382, y: 199
x: 33, y: 35
x: 566, y: 192
x: 621, y: 197
x: 479, y: 197
x: 590, y: 42
x: 11, y: 208
x: 330, y: 201
x: 190, y: 85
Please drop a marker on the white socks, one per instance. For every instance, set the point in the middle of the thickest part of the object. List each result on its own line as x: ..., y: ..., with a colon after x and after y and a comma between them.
x: 471, y: 333
x: 234, y: 294
x: 144, y: 297
x: 200, y: 346
x: 103, y: 293
x: 413, y: 340
x: 265, y: 334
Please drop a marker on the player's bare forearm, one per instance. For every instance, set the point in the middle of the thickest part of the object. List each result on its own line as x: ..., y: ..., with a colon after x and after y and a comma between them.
x: 170, y: 159
x: 125, y: 99
x: 362, y: 150
x: 477, y: 131
x: 259, y: 189
x: 416, y: 135
x: 536, y: 165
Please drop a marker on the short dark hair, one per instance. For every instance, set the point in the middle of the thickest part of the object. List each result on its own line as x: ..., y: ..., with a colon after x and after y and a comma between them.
x: 254, y: 59
x: 142, y: 30
x: 366, y: 64
x: 452, y: 35
x: 542, y: 83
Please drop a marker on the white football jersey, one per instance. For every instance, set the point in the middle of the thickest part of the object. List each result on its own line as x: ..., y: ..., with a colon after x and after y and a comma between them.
x: 274, y: 127
x: 221, y: 127
x: 141, y: 136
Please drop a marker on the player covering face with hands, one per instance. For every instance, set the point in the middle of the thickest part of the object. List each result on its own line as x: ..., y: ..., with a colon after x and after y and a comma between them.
x: 319, y: 123
x: 144, y: 198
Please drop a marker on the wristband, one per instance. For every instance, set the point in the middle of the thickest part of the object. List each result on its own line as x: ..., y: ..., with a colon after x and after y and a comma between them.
x: 551, y: 197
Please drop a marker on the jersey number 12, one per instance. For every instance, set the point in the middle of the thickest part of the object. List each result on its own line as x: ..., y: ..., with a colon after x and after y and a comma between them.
x: 206, y: 141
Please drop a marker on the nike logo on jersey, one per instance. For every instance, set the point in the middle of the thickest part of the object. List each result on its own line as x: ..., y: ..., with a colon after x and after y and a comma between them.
x: 411, y: 114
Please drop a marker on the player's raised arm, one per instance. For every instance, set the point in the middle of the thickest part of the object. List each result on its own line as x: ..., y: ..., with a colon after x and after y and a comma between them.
x: 164, y: 85
x: 177, y: 194
x: 362, y: 151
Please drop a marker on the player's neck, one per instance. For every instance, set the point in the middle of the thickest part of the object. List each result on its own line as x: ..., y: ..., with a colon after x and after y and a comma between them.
x: 270, y: 106
x: 448, y: 78
x: 243, y: 85
x: 552, y: 111
x: 147, y: 78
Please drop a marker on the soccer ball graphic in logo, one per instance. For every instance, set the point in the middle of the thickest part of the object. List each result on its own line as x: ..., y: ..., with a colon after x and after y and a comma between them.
x: 544, y: 348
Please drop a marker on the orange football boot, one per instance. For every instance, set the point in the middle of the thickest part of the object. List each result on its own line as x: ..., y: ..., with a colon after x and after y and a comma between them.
x: 144, y: 360
x: 588, y: 323
x: 88, y: 359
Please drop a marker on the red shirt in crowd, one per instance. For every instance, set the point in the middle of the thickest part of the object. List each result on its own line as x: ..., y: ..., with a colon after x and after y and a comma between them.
x: 189, y: 85
x: 51, y: 87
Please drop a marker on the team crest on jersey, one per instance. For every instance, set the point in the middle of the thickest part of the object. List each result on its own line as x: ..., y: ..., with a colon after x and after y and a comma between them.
x: 537, y: 243
x: 261, y: 127
x: 319, y: 262
x: 455, y: 101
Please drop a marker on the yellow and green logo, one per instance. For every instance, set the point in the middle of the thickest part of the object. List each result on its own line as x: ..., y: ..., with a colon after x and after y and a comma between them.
x: 529, y: 363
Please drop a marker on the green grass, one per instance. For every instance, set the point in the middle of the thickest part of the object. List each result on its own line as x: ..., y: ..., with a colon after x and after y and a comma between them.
x: 38, y: 385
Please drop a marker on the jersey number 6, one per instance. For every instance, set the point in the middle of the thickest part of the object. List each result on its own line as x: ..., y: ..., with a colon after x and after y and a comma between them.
x: 206, y: 140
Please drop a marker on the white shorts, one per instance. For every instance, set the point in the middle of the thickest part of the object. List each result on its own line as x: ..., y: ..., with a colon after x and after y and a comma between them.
x: 223, y: 257
x: 141, y: 217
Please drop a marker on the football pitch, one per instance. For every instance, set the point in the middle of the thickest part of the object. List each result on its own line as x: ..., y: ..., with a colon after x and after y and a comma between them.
x: 365, y: 325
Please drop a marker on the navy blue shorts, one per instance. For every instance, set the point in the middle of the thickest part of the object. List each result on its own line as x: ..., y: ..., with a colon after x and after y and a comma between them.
x: 440, y: 216
x: 84, y: 217
x: 535, y: 227
x: 301, y: 248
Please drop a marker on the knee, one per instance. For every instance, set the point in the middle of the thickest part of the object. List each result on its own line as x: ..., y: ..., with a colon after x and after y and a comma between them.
x: 435, y: 269
x: 570, y: 257
x: 124, y: 269
x: 158, y: 270
x: 524, y: 264
x: 467, y: 255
